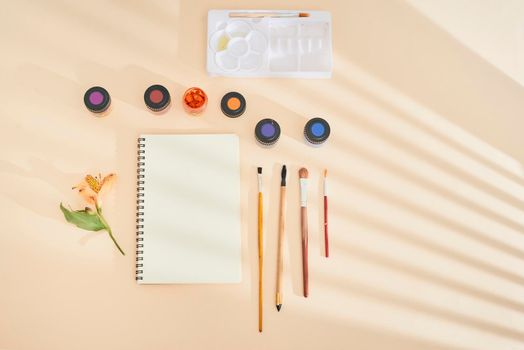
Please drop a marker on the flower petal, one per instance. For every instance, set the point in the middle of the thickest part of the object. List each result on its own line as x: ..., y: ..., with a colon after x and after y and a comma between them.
x: 107, y: 183
x: 86, y: 192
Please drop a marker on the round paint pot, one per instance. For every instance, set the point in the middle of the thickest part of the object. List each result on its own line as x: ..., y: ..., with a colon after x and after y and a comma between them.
x: 157, y: 98
x: 317, y: 131
x: 97, y: 99
x: 233, y: 104
x: 267, y: 132
x: 194, y: 100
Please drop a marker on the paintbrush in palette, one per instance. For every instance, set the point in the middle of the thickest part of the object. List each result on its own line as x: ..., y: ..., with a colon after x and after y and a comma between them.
x: 268, y: 14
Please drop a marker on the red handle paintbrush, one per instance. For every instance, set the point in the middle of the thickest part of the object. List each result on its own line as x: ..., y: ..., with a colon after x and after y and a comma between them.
x: 326, y: 239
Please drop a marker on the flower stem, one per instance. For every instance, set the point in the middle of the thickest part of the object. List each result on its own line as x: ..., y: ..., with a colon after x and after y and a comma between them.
x: 108, y: 229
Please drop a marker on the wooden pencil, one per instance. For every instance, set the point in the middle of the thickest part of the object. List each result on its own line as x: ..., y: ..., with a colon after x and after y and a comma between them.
x: 260, y: 249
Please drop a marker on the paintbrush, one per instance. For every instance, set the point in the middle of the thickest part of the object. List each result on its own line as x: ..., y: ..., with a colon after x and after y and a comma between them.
x: 267, y: 14
x: 280, y: 256
x: 260, y: 248
x: 326, y: 240
x: 303, y: 174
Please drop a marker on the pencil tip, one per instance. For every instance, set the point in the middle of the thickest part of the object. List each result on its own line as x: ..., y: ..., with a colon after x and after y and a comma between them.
x: 259, y: 170
x: 279, y: 306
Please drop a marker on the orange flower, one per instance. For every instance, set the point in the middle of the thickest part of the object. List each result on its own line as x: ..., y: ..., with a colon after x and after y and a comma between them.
x: 93, y: 188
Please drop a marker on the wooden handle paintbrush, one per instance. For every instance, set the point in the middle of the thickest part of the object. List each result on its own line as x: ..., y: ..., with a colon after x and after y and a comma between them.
x: 260, y: 248
x: 281, y: 225
x: 255, y: 14
x: 303, y: 174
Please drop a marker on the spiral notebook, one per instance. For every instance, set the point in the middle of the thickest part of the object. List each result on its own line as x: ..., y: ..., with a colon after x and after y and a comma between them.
x: 188, y: 209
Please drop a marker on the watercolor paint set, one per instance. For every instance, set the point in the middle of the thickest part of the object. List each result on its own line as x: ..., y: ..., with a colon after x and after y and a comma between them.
x: 269, y: 44
x: 251, y: 43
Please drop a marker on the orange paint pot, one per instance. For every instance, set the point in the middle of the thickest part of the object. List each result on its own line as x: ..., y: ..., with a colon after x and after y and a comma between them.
x: 194, y: 100
x: 233, y: 104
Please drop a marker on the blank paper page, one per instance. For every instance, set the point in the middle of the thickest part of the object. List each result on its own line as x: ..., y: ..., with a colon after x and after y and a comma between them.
x: 191, y: 213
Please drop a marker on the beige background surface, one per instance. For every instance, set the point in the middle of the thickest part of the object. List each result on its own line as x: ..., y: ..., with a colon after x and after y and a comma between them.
x: 425, y: 163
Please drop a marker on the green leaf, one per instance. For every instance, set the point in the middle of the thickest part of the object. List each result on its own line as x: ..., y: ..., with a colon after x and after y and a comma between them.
x: 85, y: 219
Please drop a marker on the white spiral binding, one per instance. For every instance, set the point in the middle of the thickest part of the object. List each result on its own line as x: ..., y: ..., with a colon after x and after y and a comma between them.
x: 140, y: 184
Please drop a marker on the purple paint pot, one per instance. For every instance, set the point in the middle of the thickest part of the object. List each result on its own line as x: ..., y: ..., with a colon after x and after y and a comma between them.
x: 97, y: 99
x: 267, y: 132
